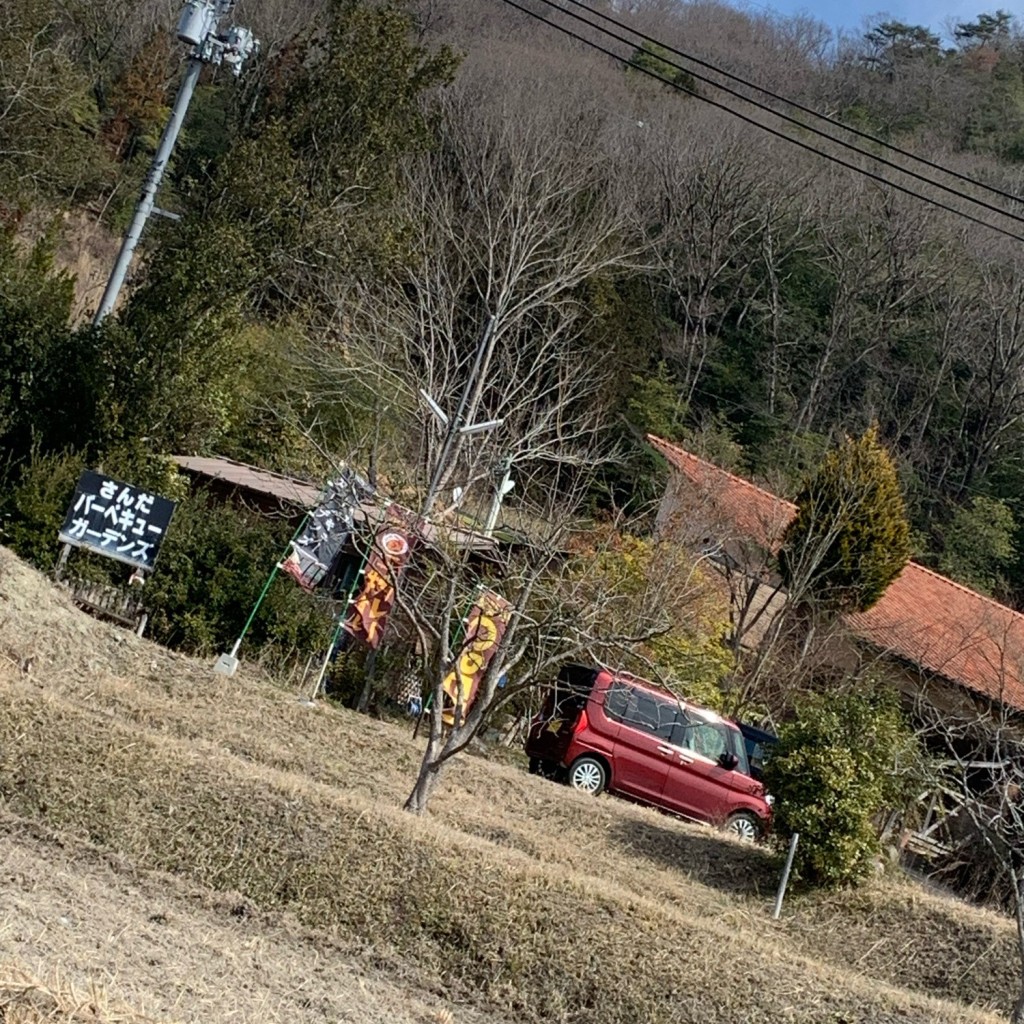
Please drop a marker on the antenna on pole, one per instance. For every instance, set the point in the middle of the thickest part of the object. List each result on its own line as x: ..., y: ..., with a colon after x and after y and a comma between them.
x: 198, y: 27
x: 456, y: 427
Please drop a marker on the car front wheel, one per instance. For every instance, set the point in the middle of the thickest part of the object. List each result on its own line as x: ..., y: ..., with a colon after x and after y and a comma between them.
x: 588, y: 774
x: 744, y: 825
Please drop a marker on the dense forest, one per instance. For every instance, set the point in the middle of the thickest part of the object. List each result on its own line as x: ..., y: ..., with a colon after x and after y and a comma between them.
x: 386, y: 178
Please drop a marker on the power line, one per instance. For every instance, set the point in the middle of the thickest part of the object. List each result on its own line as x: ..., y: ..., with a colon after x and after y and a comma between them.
x: 810, y: 111
x: 775, y: 113
x: 766, y: 128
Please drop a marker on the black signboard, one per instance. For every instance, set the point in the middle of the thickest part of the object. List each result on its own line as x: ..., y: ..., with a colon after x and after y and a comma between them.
x: 117, y: 520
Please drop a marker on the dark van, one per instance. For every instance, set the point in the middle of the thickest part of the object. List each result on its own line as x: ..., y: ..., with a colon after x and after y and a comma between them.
x: 600, y: 730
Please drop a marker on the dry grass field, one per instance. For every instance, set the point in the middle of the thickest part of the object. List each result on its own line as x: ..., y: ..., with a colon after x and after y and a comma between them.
x: 176, y: 846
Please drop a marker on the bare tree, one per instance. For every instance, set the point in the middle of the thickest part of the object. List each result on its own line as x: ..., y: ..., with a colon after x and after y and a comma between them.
x: 705, y: 198
x: 984, y: 777
x: 523, y: 201
x: 563, y: 603
x: 520, y: 204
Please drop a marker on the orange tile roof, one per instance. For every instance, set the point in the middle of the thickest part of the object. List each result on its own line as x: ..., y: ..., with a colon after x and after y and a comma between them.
x: 751, y: 510
x: 922, y: 618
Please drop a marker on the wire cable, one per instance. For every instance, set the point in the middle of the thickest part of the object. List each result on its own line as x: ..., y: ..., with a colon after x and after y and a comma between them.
x: 763, y: 127
x: 810, y: 111
x: 777, y: 113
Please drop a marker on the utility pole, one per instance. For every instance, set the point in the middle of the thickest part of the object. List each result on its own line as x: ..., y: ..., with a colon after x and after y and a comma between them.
x: 197, y: 26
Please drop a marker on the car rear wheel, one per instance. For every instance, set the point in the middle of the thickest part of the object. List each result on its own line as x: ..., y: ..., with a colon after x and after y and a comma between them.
x: 588, y: 774
x: 744, y: 825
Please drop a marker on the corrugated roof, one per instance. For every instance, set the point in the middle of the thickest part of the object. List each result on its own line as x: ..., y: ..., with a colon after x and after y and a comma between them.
x: 263, y: 481
x: 307, y: 495
x: 752, y: 511
x: 923, y: 617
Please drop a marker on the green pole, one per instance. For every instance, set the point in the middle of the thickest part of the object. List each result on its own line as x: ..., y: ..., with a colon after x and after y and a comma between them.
x: 338, y: 628
x: 266, y: 587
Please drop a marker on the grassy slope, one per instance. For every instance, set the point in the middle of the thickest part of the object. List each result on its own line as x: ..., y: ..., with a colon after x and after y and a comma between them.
x: 523, y: 900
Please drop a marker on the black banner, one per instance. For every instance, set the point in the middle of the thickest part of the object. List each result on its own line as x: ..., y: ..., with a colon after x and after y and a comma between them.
x: 326, y: 531
x: 116, y: 519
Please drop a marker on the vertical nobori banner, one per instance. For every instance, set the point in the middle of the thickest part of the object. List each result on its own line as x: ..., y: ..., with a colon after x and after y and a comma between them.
x: 485, y: 627
x: 116, y: 519
x: 326, y: 531
x: 372, y: 604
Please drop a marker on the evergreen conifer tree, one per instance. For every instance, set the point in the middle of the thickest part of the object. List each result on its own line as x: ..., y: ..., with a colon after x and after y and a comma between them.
x: 850, y: 538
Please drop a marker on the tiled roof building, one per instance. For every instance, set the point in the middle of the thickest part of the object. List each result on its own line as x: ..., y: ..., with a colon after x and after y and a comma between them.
x: 924, y: 620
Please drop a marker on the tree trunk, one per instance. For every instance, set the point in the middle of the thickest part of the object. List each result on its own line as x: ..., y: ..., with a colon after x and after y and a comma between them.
x: 426, y: 782
x: 370, y: 673
x: 1017, y: 1015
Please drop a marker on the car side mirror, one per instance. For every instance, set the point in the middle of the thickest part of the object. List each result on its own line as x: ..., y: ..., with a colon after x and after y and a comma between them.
x: 728, y: 760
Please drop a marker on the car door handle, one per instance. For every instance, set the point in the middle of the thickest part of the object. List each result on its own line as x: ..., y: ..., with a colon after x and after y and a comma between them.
x: 685, y: 760
x: 666, y: 750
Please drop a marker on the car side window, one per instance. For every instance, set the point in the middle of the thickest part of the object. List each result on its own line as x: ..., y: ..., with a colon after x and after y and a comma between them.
x: 652, y: 714
x: 711, y: 740
x: 616, y: 700
x: 642, y: 711
x: 705, y: 738
x: 668, y: 719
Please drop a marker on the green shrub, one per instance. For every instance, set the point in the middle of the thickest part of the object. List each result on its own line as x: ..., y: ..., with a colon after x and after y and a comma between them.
x: 212, y: 567
x: 840, y: 761
x: 32, y: 510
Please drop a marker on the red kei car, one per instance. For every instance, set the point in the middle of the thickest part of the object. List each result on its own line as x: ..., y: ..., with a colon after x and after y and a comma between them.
x: 609, y: 730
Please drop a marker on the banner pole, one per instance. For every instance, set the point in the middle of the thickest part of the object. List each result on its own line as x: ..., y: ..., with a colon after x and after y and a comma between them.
x: 337, y: 631
x: 227, y: 663
x: 327, y: 657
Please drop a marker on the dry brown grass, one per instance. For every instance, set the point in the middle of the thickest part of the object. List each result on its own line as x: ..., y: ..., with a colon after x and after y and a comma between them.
x: 522, y: 900
x: 179, y: 951
x: 26, y: 999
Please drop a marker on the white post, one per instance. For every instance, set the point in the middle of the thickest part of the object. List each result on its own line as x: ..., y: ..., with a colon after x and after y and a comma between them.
x: 784, y: 881
x: 503, y: 488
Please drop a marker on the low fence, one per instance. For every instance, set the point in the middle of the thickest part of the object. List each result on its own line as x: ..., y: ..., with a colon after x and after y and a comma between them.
x: 122, y: 605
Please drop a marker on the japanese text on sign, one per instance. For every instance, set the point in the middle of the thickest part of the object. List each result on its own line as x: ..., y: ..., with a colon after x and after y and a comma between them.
x: 116, y: 519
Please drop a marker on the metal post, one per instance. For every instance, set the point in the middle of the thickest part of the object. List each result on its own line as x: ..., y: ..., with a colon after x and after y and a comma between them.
x: 458, y: 419
x: 499, y: 495
x: 62, y: 561
x: 199, y: 26
x: 152, y: 183
x: 784, y: 881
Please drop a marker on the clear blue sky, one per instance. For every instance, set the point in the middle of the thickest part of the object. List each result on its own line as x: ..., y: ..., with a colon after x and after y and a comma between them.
x: 850, y: 14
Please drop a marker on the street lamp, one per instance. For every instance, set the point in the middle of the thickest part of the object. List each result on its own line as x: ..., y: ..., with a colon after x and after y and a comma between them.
x: 198, y: 27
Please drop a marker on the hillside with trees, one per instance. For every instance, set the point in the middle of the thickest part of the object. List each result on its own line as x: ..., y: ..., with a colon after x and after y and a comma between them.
x: 720, y: 285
